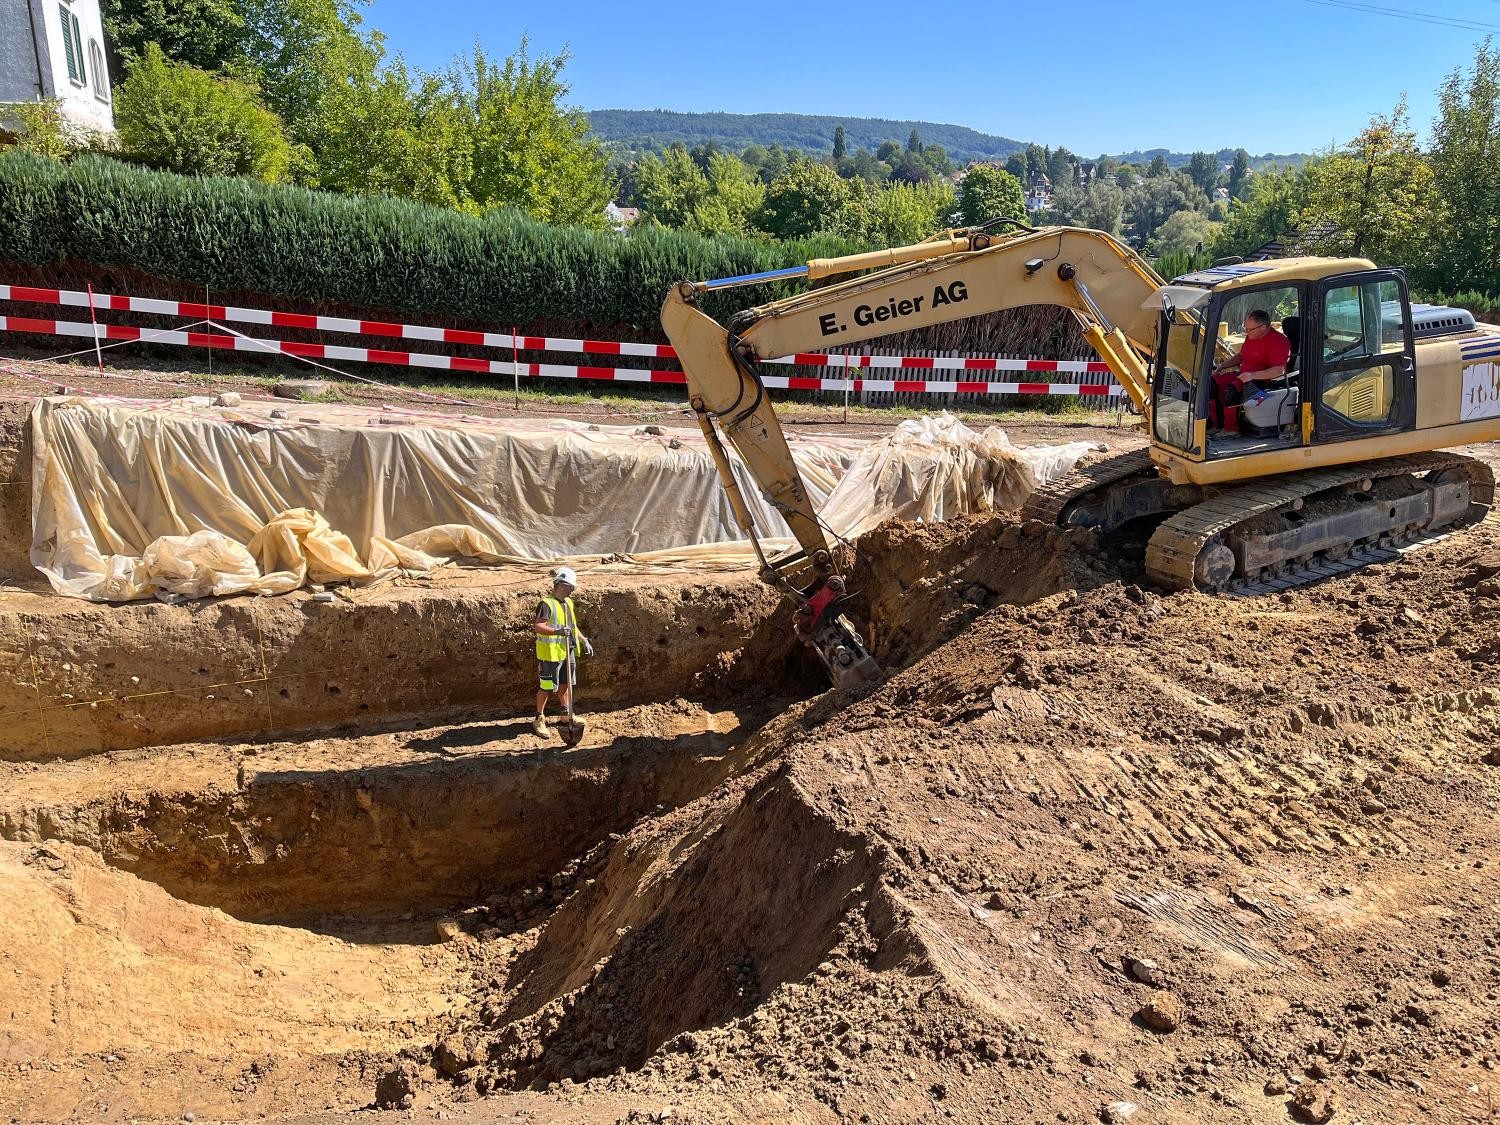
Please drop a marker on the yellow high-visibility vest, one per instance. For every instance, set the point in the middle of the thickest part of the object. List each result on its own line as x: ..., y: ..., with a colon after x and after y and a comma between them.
x: 551, y: 648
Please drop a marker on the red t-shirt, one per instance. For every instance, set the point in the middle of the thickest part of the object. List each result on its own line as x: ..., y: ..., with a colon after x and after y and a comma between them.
x: 1271, y: 350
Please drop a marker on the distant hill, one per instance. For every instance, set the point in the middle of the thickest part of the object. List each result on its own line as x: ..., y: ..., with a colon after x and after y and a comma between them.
x: 1225, y: 155
x: 642, y: 128
x: 658, y: 128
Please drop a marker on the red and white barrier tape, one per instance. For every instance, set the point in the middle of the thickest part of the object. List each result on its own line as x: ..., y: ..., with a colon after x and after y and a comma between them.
x: 542, y: 370
x: 505, y: 340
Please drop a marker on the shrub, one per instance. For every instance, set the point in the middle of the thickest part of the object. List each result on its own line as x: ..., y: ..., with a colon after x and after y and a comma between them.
x: 237, y: 234
x: 183, y: 119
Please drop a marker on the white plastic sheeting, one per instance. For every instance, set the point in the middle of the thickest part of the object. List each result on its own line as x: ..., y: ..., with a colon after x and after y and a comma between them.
x: 183, y: 499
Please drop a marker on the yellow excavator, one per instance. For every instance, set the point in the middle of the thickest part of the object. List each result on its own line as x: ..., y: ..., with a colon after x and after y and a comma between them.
x: 1331, y: 466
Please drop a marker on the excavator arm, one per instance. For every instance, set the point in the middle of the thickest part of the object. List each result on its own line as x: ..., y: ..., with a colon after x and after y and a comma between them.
x: 955, y: 275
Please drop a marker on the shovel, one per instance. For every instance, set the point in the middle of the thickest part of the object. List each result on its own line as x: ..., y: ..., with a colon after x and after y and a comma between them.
x: 572, y: 730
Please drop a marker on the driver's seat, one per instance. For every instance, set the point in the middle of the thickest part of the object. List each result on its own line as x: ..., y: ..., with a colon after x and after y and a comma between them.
x: 1291, y: 328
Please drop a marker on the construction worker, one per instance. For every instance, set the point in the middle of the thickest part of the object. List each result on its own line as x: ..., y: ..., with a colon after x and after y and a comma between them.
x: 556, y: 620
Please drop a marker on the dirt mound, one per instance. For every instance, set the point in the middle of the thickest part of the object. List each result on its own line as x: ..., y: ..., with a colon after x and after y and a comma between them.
x: 918, y: 585
x: 1090, y: 853
x: 1106, y: 850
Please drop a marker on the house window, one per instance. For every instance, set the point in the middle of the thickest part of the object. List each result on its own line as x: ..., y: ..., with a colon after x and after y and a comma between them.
x: 73, y: 46
x: 96, y: 64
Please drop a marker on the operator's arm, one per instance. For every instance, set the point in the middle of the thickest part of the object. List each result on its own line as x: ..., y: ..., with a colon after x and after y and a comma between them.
x: 1229, y: 364
x: 1264, y: 375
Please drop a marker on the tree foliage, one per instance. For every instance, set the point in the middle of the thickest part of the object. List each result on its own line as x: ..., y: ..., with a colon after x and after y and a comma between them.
x: 1239, y: 172
x: 208, y: 34
x: 183, y: 119
x: 1100, y: 206
x: 804, y: 200
x: 1272, y: 200
x: 1372, y: 198
x: 1185, y: 233
x: 40, y: 131
x: 1155, y: 199
x: 1466, y: 176
x: 1203, y: 170
x: 990, y: 193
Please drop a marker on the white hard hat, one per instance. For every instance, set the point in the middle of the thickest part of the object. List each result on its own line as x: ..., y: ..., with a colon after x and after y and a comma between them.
x: 565, y: 574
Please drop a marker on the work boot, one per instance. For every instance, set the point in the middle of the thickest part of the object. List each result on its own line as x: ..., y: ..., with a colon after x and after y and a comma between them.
x: 539, y: 727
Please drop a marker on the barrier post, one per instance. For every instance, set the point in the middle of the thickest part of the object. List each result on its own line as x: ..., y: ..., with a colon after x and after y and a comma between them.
x: 94, y: 320
x: 515, y: 364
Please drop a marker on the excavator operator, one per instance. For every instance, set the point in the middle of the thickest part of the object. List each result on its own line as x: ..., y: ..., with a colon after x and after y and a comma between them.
x: 1262, y: 358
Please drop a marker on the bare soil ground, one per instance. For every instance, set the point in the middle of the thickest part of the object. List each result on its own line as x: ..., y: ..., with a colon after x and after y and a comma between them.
x: 1091, y: 853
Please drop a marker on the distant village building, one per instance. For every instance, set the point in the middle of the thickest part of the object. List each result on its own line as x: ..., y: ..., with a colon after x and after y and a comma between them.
x: 1221, y: 194
x: 621, y: 217
x: 1086, y: 173
x: 1038, y: 192
x: 54, y: 50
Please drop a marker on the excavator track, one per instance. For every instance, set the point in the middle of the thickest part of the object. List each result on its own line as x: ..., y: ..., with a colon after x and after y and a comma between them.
x: 1285, y: 531
x: 1050, y: 502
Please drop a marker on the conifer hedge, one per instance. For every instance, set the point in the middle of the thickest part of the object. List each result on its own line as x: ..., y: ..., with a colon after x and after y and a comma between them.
x: 246, y: 236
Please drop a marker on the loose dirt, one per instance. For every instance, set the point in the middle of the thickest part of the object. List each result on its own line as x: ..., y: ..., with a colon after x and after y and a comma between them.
x: 1090, y: 853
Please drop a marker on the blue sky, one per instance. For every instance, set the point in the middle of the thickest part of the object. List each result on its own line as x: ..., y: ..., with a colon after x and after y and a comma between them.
x: 1274, y: 76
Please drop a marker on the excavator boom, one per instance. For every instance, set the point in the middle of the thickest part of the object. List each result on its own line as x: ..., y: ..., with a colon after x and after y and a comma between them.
x: 955, y: 275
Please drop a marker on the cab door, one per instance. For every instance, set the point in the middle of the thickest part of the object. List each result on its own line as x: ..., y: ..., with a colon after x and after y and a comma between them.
x: 1359, y: 357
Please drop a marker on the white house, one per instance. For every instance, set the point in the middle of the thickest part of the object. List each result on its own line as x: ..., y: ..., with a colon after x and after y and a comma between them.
x: 54, y: 49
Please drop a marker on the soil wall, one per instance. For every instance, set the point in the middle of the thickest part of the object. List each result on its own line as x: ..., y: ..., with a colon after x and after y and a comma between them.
x: 78, y: 678
x: 15, y: 494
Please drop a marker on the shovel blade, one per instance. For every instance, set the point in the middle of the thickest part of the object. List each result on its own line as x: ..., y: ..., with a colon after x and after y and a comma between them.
x: 572, y: 732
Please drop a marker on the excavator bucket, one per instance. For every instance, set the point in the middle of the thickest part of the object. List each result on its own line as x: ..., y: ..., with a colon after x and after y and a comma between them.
x: 843, y: 653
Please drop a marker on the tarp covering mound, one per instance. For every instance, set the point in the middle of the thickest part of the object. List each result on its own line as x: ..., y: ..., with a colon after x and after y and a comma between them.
x: 181, y: 498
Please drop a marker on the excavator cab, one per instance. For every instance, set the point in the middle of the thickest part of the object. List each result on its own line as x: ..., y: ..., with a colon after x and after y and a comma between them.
x: 1351, y: 373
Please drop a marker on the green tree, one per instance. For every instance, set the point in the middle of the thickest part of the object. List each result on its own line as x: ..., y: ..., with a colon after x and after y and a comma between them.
x: 914, y: 143
x: 1156, y: 199
x: 398, y: 133
x: 313, y: 59
x: 208, y: 34
x: 1203, y: 170
x: 840, y: 144
x: 40, y: 129
x: 911, y: 170
x: 895, y: 216
x: 990, y: 193
x: 889, y: 152
x: 1036, y: 161
x: 530, y: 152
x: 1374, y: 197
x: 1099, y: 206
x: 1239, y: 173
x: 1466, y: 175
x: 670, y: 187
x: 183, y: 119
x: 864, y: 166
x: 1157, y: 167
x: 1272, y: 199
x: 1126, y: 176
x: 935, y: 160
x: 1060, y: 167
x: 804, y: 200
x: 1186, y: 232
x: 735, y: 194
x: 1015, y: 164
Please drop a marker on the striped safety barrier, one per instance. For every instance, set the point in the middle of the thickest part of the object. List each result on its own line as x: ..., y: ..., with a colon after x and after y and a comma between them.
x: 517, y: 342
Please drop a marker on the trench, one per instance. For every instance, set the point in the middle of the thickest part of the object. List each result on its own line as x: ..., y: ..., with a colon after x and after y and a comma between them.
x: 665, y: 876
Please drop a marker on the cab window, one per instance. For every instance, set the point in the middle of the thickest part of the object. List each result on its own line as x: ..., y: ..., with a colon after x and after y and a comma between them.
x: 1364, y: 329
